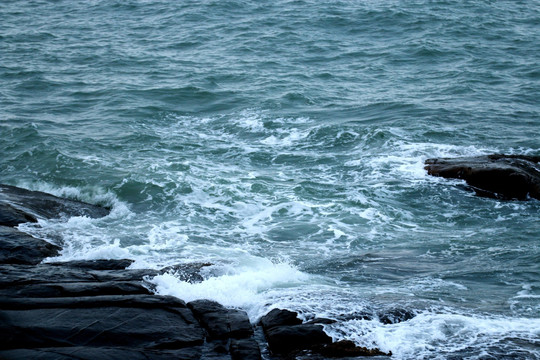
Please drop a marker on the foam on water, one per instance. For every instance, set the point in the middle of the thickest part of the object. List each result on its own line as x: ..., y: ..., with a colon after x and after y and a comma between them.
x: 241, y: 285
x: 289, y: 154
x: 437, y: 335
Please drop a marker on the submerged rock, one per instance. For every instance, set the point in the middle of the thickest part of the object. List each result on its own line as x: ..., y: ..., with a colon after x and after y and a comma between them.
x: 395, y: 316
x: 497, y: 176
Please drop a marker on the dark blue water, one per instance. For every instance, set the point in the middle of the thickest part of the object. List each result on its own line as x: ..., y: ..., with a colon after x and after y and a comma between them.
x: 284, y: 142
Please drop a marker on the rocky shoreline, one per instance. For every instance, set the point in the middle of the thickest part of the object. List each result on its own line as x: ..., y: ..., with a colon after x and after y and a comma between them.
x: 101, y: 309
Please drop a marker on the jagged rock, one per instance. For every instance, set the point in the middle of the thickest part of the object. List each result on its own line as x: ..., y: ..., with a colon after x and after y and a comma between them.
x: 221, y: 323
x: 498, y: 175
x: 17, y: 247
x: 347, y: 348
x: 39, y: 204
x: 279, y: 317
x: 287, y: 339
x: 244, y: 349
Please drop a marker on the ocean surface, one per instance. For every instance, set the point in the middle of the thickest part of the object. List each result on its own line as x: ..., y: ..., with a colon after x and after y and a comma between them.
x: 283, y: 142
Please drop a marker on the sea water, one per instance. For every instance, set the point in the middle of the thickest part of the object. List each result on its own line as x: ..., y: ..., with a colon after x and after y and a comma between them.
x: 283, y: 142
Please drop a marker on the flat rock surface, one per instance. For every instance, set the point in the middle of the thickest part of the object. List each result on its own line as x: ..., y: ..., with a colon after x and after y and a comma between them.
x: 498, y: 175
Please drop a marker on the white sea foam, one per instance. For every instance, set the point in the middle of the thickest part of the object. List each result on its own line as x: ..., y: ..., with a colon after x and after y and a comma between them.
x: 241, y: 285
x: 434, y: 336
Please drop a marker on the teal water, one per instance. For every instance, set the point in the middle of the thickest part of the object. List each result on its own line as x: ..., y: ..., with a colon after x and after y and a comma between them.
x: 284, y: 142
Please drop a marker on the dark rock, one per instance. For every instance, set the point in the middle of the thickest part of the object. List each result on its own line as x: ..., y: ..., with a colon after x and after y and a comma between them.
x: 101, y: 353
x: 186, y: 272
x: 99, y: 309
x: 347, y: 348
x: 279, y: 317
x: 50, y: 290
x: 90, y: 302
x: 39, y: 204
x: 498, y: 176
x: 245, y: 349
x: 395, y: 316
x: 101, y: 264
x: 322, y: 321
x: 155, y: 328
x: 201, y: 307
x: 221, y: 323
x: 16, y: 275
x: 358, y: 315
x: 17, y: 247
x: 287, y: 339
x: 10, y: 216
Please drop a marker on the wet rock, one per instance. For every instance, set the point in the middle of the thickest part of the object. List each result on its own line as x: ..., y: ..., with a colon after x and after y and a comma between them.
x: 48, y: 290
x: 17, y: 275
x: 100, y: 264
x: 394, y: 316
x: 36, y: 204
x: 497, y: 176
x: 347, y: 348
x: 221, y: 323
x: 154, y: 328
x: 322, y: 321
x: 99, y: 309
x: 17, y: 247
x: 245, y: 349
x: 287, y: 339
x: 186, y: 272
x: 10, y: 216
x: 279, y: 317
x: 93, y: 353
x: 92, y: 302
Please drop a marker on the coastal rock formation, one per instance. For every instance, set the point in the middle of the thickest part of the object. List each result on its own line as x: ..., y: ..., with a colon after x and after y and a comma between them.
x: 287, y: 334
x: 498, y: 176
x: 20, y: 205
x: 17, y: 247
x: 101, y: 309
x: 220, y: 322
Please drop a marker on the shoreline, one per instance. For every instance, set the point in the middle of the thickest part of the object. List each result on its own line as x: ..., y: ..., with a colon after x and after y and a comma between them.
x: 99, y: 308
